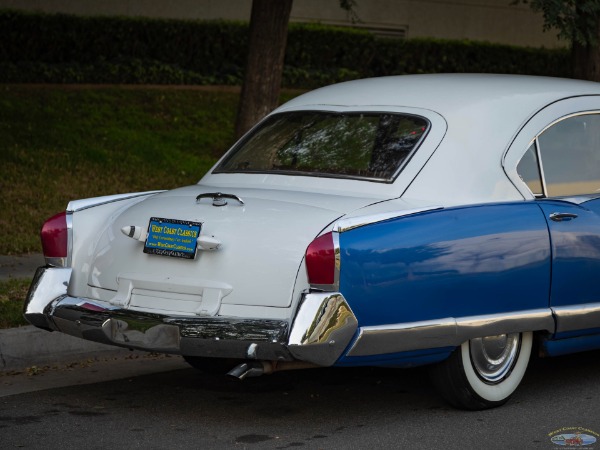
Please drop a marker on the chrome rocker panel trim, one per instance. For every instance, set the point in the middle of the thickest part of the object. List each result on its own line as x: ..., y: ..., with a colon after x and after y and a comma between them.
x: 577, y: 317
x: 321, y: 331
x: 447, y: 332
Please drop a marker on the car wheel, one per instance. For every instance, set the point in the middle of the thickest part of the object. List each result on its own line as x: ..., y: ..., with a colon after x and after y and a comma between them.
x: 213, y: 366
x: 483, y: 372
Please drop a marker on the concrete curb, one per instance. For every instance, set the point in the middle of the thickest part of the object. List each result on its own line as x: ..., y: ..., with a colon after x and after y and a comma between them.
x: 30, y: 346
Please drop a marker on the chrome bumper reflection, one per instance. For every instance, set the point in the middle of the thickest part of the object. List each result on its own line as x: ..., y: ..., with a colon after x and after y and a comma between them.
x: 321, y: 331
x: 48, y: 284
x: 323, y: 328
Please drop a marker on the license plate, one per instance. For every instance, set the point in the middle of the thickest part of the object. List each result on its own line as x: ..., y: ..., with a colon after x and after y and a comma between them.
x: 172, y: 237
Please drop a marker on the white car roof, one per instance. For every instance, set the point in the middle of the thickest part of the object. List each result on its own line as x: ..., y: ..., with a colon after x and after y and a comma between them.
x: 483, y: 113
x: 445, y: 93
x: 475, y: 119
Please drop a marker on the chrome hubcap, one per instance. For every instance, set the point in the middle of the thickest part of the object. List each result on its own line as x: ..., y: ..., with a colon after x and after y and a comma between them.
x: 493, y: 357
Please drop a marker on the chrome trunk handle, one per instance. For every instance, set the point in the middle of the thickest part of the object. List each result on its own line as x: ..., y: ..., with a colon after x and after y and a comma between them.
x: 218, y: 198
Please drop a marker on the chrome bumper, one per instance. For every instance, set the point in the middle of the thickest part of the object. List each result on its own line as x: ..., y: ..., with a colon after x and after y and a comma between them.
x: 322, y: 329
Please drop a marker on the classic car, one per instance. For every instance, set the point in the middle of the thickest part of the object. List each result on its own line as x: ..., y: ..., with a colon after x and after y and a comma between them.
x: 442, y: 220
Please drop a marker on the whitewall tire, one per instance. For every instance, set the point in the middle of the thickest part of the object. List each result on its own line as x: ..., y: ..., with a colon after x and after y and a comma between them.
x: 484, y: 372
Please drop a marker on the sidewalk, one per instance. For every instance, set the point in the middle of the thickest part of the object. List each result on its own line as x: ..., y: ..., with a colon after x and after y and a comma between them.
x: 30, y: 346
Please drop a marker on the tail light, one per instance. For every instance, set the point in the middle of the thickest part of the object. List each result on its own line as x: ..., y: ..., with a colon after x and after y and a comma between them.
x: 55, y: 240
x: 321, y: 258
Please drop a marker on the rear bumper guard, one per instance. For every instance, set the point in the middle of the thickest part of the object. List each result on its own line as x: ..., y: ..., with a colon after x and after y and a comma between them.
x: 322, y: 329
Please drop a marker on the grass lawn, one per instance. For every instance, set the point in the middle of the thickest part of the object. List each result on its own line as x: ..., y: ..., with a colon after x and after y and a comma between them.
x: 12, y: 294
x: 63, y: 143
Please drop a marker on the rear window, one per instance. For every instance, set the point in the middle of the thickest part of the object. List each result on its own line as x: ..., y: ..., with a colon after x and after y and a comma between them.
x: 357, y: 145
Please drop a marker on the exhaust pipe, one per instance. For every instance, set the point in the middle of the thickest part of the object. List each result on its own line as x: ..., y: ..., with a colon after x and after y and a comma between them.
x: 258, y: 368
x: 247, y: 369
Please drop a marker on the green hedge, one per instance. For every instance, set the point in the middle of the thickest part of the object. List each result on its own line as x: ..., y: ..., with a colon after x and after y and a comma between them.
x: 433, y: 55
x: 59, y: 48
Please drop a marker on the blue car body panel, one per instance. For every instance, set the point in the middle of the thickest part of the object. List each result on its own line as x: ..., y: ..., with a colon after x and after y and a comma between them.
x: 454, y: 262
x: 565, y: 346
x: 401, y: 359
x: 575, y: 252
x: 469, y: 261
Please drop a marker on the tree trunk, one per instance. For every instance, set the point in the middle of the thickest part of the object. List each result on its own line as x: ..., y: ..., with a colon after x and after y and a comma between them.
x: 264, y: 69
x: 585, y: 58
x: 586, y: 61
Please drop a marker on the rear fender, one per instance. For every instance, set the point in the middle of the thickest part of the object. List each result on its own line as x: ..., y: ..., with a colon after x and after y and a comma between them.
x: 89, y: 218
x: 438, y: 278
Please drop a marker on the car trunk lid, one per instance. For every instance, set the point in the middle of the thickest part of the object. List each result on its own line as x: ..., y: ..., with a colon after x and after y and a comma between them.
x: 262, y: 239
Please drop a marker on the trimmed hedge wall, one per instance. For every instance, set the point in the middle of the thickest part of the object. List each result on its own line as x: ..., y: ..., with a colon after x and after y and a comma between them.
x: 59, y: 48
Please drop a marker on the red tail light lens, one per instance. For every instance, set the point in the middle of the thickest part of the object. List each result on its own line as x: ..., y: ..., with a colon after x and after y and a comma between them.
x: 320, y: 260
x: 55, y: 236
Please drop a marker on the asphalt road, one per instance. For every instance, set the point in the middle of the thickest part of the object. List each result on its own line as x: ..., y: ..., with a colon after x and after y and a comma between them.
x: 313, y: 409
x: 155, y: 402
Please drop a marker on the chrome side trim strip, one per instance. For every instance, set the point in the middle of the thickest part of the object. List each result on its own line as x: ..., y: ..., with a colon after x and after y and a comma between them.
x: 56, y: 261
x: 360, y: 221
x: 338, y: 261
x: 446, y: 332
x: 538, y: 154
x: 577, y: 317
x: 80, y: 205
x: 69, y: 219
x: 579, y: 199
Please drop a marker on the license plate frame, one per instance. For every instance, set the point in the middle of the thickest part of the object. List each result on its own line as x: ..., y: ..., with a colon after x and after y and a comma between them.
x: 172, y: 237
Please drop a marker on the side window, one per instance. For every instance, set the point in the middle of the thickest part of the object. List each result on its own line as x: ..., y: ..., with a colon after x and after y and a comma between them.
x: 529, y: 171
x: 565, y: 159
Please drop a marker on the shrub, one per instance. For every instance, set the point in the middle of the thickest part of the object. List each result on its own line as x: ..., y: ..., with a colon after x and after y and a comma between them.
x: 136, y: 50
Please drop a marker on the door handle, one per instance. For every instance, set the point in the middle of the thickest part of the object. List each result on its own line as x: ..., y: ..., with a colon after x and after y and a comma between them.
x: 561, y: 217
